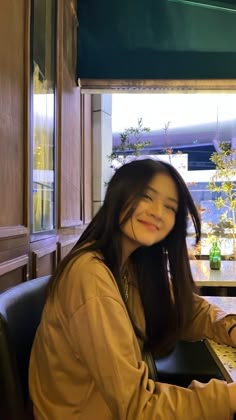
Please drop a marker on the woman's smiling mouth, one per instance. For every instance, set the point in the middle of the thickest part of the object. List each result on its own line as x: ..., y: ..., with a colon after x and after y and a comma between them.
x: 148, y: 225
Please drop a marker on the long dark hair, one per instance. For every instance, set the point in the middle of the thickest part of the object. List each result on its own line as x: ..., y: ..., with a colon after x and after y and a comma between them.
x: 156, y: 266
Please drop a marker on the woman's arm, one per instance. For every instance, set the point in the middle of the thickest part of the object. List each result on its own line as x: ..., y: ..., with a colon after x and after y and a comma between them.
x: 209, y: 321
x: 232, y: 333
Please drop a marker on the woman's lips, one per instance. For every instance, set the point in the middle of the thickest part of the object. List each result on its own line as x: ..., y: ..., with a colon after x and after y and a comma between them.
x: 149, y: 225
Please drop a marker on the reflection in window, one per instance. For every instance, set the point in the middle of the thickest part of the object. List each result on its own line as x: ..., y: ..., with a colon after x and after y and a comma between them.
x: 43, y: 115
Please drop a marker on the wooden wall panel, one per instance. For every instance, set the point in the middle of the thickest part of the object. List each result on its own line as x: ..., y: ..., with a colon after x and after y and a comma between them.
x: 9, y: 280
x: 14, y: 94
x: 42, y: 251
x: 44, y: 261
x: 69, y: 108
x: 71, y: 157
x: 13, y: 271
x: 64, y: 247
x: 12, y: 103
x: 87, y: 158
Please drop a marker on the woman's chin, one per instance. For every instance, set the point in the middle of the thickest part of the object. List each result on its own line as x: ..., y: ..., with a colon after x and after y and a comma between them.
x: 149, y: 242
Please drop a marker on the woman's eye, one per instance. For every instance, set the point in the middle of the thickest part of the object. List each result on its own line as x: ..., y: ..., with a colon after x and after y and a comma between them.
x: 171, y: 208
x: 146, y: 196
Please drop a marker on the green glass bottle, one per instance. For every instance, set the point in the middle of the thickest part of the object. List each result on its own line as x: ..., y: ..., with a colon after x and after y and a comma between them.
x: 215, y: 256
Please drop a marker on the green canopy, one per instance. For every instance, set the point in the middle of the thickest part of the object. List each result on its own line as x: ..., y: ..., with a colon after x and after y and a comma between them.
x: 156, y: 39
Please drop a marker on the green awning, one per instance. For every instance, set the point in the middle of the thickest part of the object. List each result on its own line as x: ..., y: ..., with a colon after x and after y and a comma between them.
x: 156, y: 39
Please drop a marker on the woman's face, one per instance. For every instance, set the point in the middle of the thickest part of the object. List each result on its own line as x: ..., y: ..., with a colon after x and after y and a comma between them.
x: 154, y: 216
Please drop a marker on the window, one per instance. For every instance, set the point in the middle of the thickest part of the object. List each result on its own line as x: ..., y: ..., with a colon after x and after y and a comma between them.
x: 185, y: 129
x: 43, y: 111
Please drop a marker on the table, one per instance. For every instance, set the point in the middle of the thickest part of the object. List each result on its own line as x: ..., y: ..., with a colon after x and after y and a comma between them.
x: 204, y: 276
x: 224, y: 356
x: 221, y: 280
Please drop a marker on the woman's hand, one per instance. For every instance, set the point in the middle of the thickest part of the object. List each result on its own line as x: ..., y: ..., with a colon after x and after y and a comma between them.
x: 232, y: 396
x: 233, y: 336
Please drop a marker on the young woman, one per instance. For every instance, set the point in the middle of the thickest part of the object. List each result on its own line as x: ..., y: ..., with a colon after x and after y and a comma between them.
x: 126, y: 286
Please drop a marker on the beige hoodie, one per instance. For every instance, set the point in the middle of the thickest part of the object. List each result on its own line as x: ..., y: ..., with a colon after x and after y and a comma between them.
x: 86, y: 361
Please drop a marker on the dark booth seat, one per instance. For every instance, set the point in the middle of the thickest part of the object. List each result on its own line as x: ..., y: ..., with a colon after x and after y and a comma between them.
x: 20, y: 313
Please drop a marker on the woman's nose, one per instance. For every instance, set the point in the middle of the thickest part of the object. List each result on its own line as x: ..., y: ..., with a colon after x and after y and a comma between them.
x: 157, y: 210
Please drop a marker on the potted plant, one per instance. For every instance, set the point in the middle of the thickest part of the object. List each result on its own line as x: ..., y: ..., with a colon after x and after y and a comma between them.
x: 224, y: 184
x: 132, y: 142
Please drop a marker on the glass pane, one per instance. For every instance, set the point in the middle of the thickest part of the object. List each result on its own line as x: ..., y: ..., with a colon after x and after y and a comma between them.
x: 43, y: 139
x: 185, y: 130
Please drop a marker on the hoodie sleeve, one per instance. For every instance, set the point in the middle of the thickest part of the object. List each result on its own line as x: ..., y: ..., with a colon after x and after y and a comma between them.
x: 208, y: 321
x: 103, y: 339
